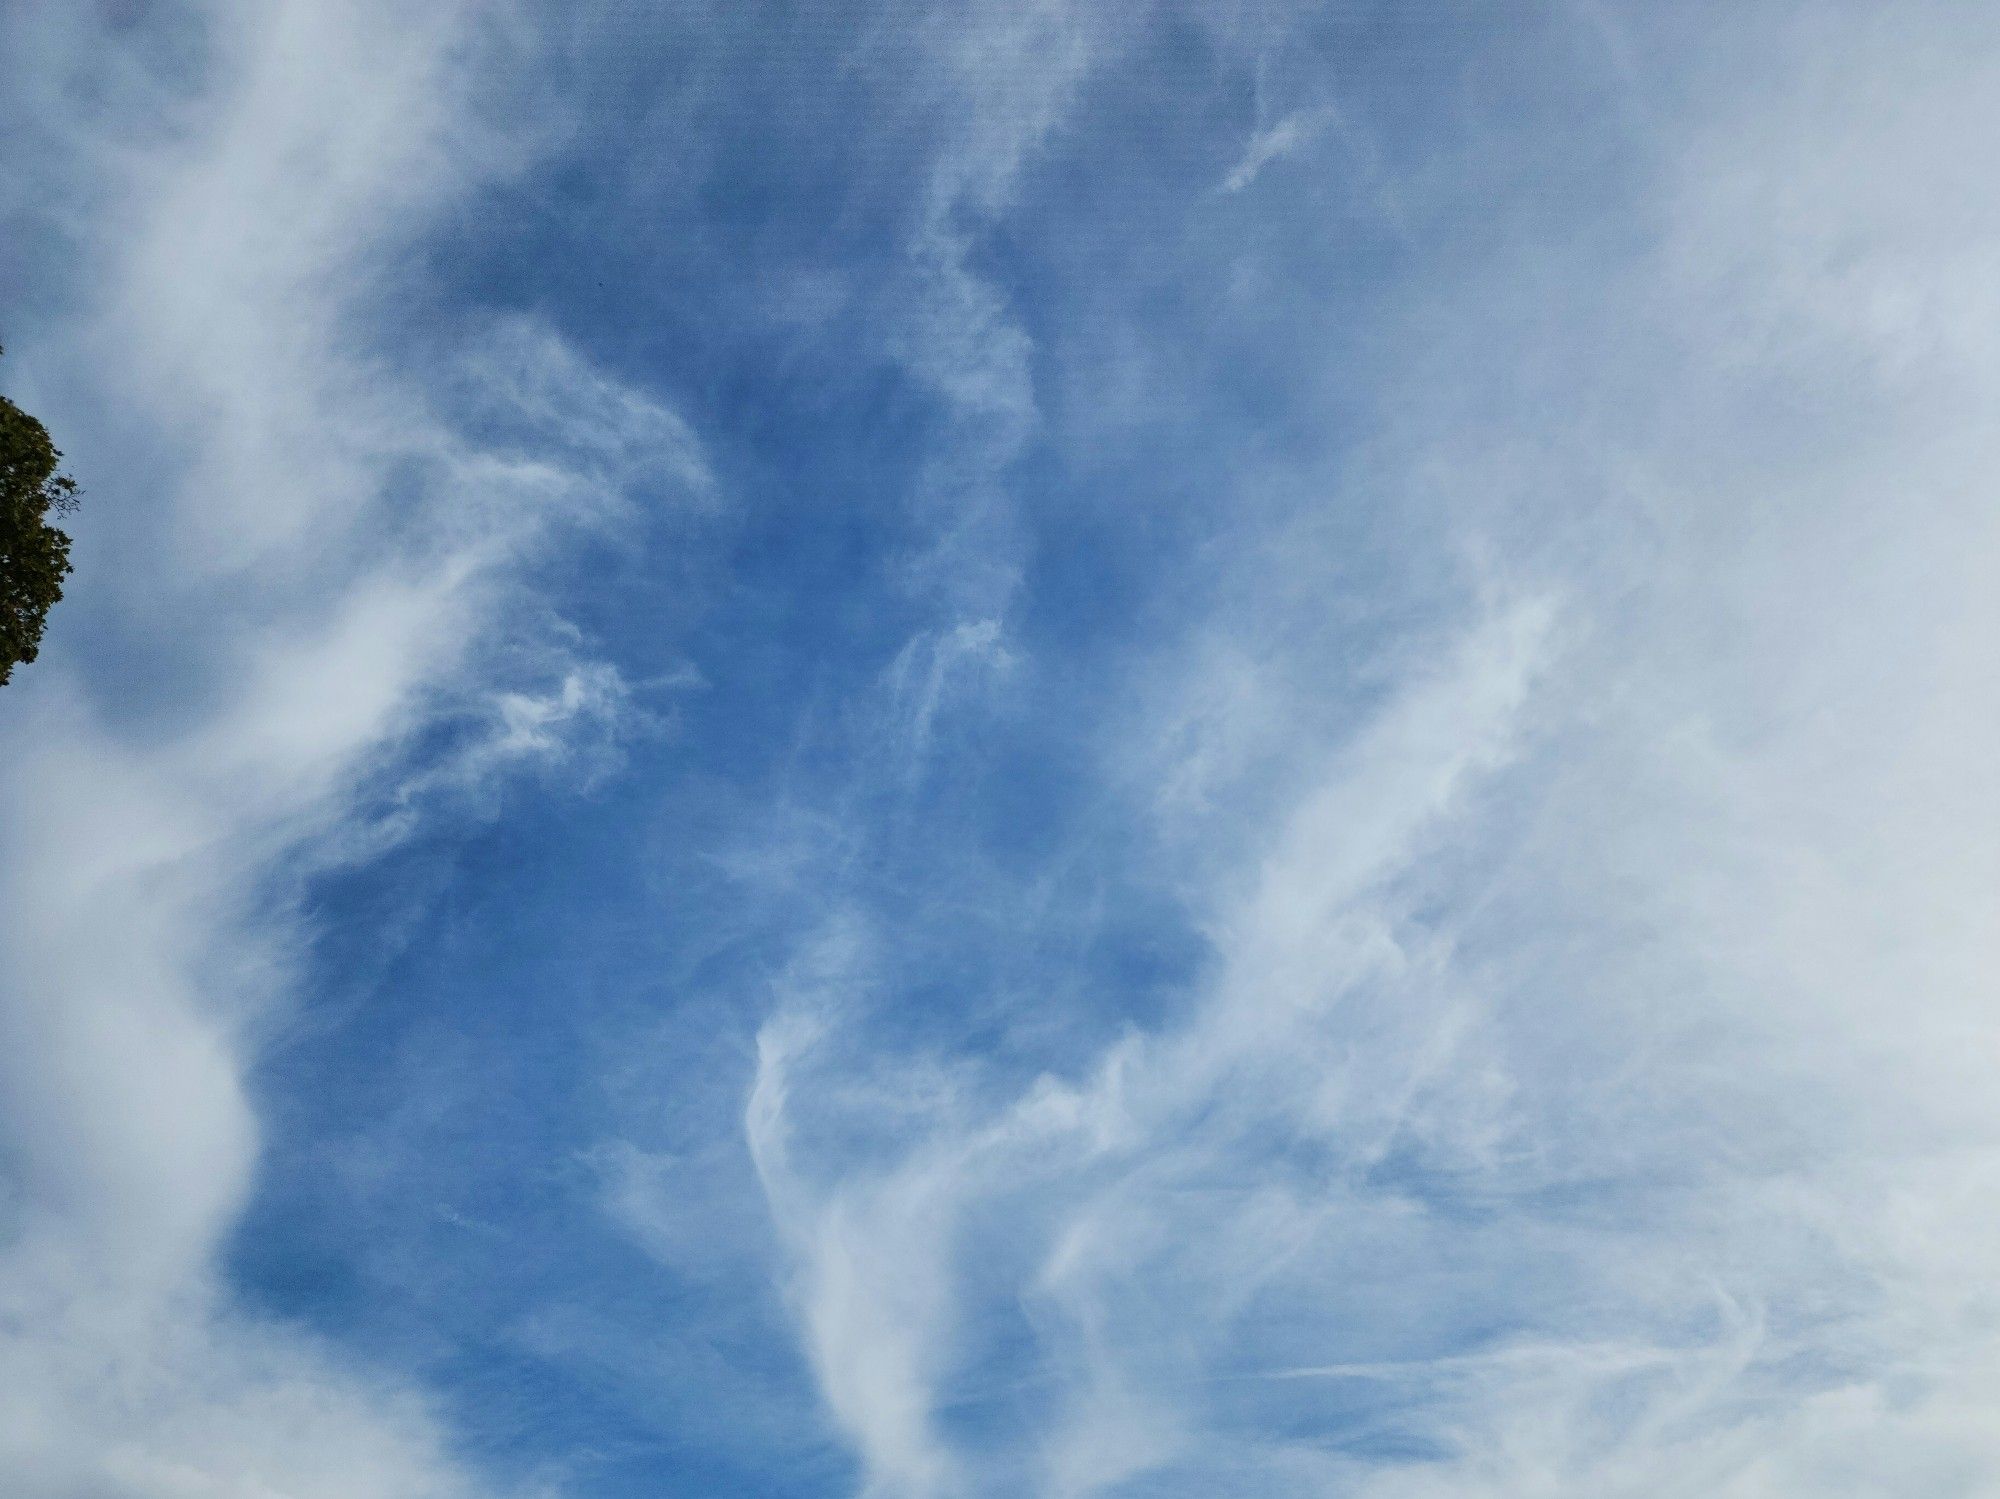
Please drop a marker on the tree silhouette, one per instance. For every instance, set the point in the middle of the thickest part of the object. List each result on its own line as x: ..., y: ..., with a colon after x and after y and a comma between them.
x: 34, y: 555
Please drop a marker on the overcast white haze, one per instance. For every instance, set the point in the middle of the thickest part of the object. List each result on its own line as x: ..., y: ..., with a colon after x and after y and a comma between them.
x: 1026, y: 748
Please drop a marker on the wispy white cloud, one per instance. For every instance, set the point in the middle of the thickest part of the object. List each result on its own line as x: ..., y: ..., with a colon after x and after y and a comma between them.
x: 328, y: 525
x: 993, y: 81
x: 1095, y: 1163
x: 932, y: 667
x: 1273, y: 143
x: 1583, y: 1082
x: 1584, y: 1089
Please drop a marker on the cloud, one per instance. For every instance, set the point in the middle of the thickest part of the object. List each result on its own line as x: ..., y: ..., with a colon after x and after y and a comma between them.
x: 1093, y: 1163
x: 315, y: 560
x: 1273, y: 143
x: 930, y: 668
x: 1476, y: 981
x: 1582, y: 1088
x: 994, y: 82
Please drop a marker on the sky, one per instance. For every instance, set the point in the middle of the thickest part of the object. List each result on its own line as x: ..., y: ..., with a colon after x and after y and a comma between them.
x: 1025, y: 748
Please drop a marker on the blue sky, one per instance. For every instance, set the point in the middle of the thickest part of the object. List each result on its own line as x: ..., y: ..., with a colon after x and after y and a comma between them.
x: 1025, y: 748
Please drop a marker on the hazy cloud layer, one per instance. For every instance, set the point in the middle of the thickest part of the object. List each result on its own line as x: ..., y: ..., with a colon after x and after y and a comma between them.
x: 1053, y: 749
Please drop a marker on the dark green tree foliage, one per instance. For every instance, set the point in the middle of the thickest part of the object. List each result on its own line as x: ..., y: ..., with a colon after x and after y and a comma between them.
x: 34, y: 555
